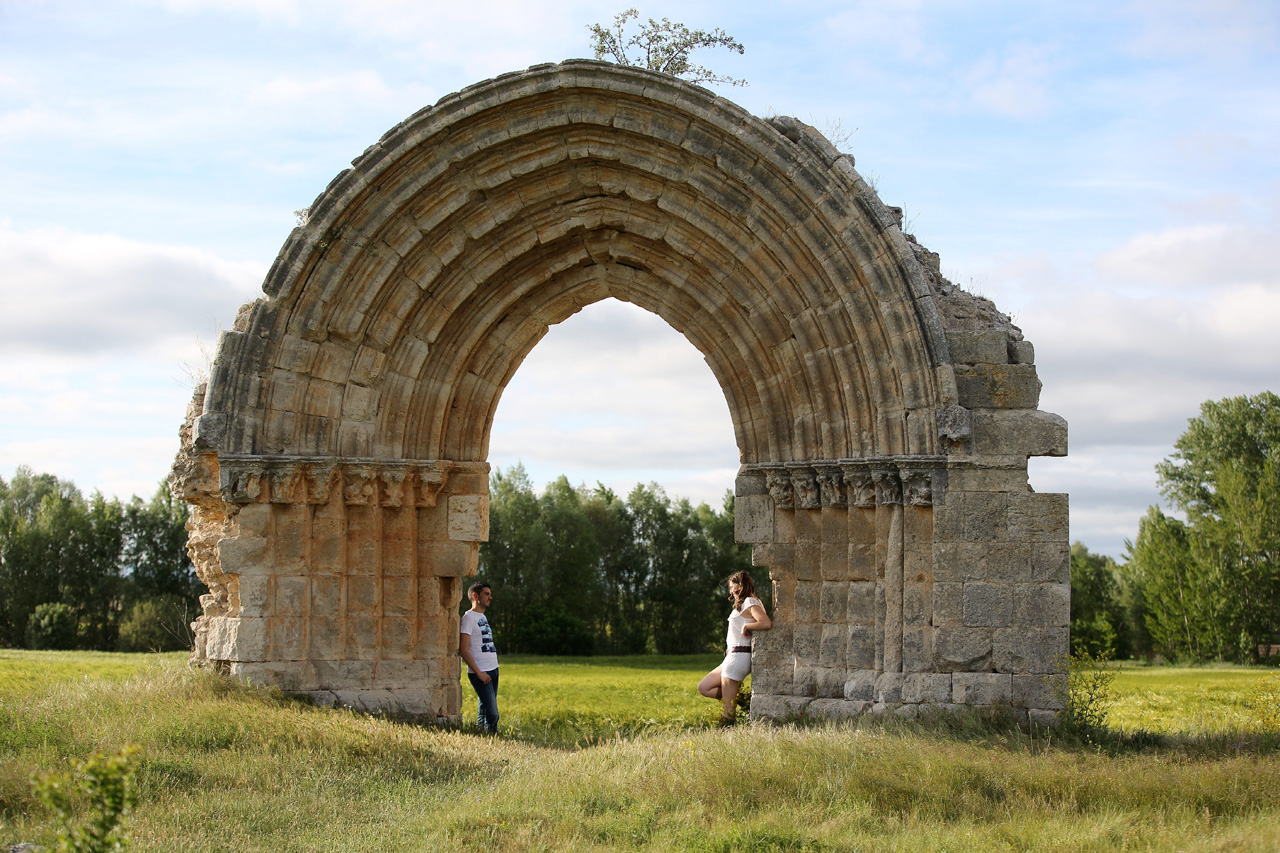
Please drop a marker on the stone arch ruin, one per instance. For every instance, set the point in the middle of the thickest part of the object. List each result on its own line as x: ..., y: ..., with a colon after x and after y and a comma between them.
x: 336, y: 458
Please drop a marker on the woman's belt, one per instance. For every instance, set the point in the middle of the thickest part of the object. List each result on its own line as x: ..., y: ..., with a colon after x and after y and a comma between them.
x: 739, y: 649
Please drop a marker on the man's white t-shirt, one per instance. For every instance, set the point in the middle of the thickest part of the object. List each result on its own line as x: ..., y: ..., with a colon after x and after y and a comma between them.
x: 483, y: 651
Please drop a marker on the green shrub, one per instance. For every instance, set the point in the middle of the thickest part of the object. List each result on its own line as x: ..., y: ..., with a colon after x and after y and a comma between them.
x: 1263, y: 704
x: 159, y: 624
x: 106, y: 784
x: 52, y: 626
x: 1083, y: 686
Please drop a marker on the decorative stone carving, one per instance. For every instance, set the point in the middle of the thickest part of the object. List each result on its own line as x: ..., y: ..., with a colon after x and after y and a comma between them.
x: 831, y: 483
x: 778, y: 482
x: 804, y: 483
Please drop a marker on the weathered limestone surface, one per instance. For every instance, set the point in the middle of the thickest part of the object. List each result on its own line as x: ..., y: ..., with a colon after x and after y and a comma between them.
x: 336, y: 458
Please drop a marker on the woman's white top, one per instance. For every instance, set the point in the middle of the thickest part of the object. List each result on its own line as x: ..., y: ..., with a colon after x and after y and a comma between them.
x: 737, y: 619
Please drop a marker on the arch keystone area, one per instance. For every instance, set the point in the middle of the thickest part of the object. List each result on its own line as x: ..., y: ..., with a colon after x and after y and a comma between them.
x: 336, y: 458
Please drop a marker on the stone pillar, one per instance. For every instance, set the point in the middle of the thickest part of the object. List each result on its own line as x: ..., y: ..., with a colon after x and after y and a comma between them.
x: 340, y: 578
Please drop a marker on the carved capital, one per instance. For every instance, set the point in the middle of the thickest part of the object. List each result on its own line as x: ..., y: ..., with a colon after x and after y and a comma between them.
x: 778, y: 482
x: 804, y: 483
x: 917, y: 487
x: 861, y: 488
x: 888, y: 486
x: 831, y: 484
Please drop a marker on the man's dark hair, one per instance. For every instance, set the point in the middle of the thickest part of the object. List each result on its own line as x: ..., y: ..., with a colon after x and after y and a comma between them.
x: 476, y: 587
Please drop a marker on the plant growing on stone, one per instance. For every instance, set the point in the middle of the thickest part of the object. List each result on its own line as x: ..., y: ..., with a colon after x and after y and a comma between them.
x: 661, y: 46
x: 105, y: 783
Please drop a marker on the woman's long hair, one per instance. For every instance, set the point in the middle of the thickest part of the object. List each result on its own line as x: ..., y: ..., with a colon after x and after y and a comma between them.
x: 747, y: 588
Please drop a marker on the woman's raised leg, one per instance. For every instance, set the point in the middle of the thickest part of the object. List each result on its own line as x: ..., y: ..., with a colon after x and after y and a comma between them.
x: 710, y: 685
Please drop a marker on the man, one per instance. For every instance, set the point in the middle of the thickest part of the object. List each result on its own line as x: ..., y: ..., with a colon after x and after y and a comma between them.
x: 475, y: 644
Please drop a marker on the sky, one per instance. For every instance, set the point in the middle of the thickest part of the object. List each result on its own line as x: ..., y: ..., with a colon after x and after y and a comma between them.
x: 1107, y: 172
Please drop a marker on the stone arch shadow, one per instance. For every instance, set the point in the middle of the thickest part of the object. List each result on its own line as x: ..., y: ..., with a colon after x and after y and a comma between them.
x: 336, y: 458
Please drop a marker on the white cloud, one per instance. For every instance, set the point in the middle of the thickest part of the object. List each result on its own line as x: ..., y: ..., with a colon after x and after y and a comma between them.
x: 86, y: 294
x: 1013, y: 85
x: 1225, y: 30
x: 289, y: 89
x: 1196, y: 257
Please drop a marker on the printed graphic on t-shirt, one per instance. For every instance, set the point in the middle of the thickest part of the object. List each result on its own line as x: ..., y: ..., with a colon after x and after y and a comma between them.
x: 486, y: 637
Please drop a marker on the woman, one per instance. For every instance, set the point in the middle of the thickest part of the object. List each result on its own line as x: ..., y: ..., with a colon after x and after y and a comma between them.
x: 748, y: 616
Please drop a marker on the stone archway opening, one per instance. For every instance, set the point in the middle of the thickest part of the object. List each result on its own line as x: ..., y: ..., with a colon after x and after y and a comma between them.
x: 337, y: 458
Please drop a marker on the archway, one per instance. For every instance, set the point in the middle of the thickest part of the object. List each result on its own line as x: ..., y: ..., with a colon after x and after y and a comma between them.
x: 337, y: 455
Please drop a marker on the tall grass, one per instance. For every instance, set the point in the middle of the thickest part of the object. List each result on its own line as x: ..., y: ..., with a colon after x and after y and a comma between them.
x: 617, y: 755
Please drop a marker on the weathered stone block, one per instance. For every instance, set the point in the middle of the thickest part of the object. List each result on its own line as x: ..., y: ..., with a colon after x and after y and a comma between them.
x: 917, y: 649
x: 286, y: 639
x: 830, y: 682
x: 1050, y: 562
x: 254, y: 520
x: 917, y: 603
x: 948, y: 604
x: 361, y: 637
x: 362, y: 595
x: 987, y: 605
x: 291, y: 596
x: 804, y: 680
x: 753, y: 518
x: 998, y: 386
x: 862, y: 563
x: 399, y: 596
x: 983, y: 346
x: 245, y: 555
x: 834, y: 561
x: 1045, y: 605
x: 834, y: 601
x: 888, y: 688
x: 1039, y: 517
x: 1023, y: 432
x: 860, y: 685
x: 806, y: 641
x: 469, y: 518
x: 777, y: 707
x: 324, y: 638
x: 433, y: 523
x: 862, y: 603
x: 808, y: 564
x: 835, y: 709
x: 961, y: 649
x: 981, y: 688
x: 448, y: 559
x: 1035, y: 691
x: 254, y: 593
x: 861, y: 652
x: 808, y: 601
x: 236, y: 639
x: 1028, y: 649
x: 1021, y: 352
x: 932, y: 687
x: 399, y: 557
x: 326, y: 596
x: 834, y: 646
x: 397, y: 638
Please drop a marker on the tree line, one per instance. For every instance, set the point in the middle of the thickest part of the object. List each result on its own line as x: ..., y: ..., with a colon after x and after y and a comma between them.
x: 580, y: 570
x: 93, y: 573
x: 1207, y: 587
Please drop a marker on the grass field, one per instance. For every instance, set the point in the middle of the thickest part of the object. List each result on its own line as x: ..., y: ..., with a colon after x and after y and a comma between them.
x: 616, y: 754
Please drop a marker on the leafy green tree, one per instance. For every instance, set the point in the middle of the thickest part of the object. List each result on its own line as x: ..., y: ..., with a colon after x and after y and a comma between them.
x: 52, y: 626
x: 661, y: 46
x: 1212, y: 584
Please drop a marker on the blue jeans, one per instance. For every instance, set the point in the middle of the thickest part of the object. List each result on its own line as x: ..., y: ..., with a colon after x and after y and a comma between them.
x: 488, y: 695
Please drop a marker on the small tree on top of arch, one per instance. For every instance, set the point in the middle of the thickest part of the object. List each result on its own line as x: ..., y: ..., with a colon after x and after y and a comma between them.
x: 663, y: 46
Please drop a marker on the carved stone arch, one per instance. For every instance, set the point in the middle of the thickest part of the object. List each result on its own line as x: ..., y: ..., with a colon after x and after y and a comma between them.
x: 337, y: 456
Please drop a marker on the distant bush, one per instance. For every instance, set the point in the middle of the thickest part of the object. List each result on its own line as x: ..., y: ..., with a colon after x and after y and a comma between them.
x: 52, y: 626
x: 159, y: 624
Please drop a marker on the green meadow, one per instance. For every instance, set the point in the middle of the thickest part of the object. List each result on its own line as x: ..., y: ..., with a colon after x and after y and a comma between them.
x: 619, y: 754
